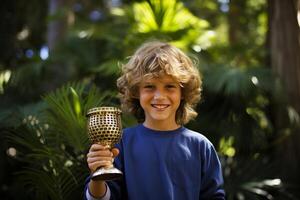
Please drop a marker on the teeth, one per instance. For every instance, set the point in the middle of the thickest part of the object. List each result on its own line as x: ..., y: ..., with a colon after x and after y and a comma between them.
x: 160, y: 106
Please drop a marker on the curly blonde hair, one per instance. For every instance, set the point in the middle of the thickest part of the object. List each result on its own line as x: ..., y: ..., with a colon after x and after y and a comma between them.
x: 154, y: 59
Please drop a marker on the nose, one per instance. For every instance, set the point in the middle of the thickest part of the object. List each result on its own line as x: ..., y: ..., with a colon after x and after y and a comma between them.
x: 159, y: 95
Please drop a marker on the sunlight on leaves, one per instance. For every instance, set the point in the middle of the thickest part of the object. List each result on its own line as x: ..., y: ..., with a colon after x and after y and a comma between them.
x: 259, y: 116
x: 76, y: 102
x: 262, y: 188
x: 256, y: 4
x: 117, y: 11
x: 262, y: 28
x: 226, y: 146
x: 172, y: 17
x: 293, y: 115
x: 4, y: 78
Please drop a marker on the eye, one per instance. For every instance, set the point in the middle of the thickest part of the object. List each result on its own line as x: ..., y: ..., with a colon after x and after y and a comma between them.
x: 170, y: 86
x: 148, y: 86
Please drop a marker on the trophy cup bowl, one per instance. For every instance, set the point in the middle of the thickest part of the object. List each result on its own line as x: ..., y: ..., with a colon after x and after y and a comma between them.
x: 105, y: 128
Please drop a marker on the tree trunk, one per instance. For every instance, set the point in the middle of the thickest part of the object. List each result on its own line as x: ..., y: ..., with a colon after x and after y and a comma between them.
x: 56, y: 27
x: 58, y: 72
x: 236, y: 27
x: 285, y: 61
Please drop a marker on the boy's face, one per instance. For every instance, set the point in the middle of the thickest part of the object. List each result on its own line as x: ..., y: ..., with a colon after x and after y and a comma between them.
x: 160, y: 99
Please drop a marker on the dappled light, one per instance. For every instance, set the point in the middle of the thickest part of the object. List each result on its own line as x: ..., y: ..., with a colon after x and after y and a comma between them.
x: 246, y: 51
x: 12, y: 152
x: 4, y: 79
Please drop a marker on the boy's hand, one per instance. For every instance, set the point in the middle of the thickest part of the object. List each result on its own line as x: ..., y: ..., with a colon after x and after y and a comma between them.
x: 100, y: 156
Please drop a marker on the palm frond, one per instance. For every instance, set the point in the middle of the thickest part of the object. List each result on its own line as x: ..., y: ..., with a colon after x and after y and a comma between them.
x: 238, y: 81
x: 51, y: 141
x: 67, y: 108
x: 39, y: 182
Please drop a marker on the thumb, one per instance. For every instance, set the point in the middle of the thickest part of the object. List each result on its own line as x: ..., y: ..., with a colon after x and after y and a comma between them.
x: 115, y: 152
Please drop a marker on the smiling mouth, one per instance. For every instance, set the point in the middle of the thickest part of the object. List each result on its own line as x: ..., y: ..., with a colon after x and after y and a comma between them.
x: 160, y: 106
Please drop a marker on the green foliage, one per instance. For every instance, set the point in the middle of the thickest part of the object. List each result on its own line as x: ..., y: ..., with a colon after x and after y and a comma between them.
x: 250, y: 178
x: 236, y: 112
x: 168, y: 20
x: 67, y: 109
x: 51, y: 141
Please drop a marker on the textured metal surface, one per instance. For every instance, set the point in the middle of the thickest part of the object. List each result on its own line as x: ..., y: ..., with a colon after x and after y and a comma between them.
x: 104, y: 125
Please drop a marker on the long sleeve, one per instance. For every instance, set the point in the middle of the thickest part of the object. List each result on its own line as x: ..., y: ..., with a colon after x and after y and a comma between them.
x: 88, y: 196
x: 212, y: 179
x: 118, y: 187
x: 115, y: 188
x: 166, y: 165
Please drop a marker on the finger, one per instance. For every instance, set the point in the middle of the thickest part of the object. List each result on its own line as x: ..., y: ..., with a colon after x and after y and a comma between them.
x: 115, y: 152
x: 96, y: 147
x: 96, y: 165
x: 96, y: 159
x: 105, y: 153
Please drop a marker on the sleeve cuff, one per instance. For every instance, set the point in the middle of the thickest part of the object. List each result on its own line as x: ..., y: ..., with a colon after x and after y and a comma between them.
x: 106, y: 196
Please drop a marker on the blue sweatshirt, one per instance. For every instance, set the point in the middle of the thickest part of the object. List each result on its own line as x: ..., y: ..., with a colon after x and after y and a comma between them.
x: 167, y: 165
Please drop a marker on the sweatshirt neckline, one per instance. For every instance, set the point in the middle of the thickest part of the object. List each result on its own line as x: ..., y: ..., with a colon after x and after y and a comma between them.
x: 160, y: 132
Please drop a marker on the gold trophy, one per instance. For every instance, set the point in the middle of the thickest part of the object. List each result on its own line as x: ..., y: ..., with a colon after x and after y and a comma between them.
x: 105, y: 128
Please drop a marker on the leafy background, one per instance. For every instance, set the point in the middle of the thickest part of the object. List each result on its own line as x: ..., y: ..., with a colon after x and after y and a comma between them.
x: 60, y: 58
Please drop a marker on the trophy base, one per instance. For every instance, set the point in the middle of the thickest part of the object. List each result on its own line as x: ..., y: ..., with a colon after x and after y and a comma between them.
x: 106, y: 174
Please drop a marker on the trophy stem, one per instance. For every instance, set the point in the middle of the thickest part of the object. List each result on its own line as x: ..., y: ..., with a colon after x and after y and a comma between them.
x: 106, y: 173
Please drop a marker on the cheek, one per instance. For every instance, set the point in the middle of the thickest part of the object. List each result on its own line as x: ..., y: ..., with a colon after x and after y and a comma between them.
x: 143, y: 97
x: 177, y: 96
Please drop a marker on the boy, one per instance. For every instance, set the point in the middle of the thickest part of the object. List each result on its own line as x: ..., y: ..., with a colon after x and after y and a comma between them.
x: 160, y: 158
